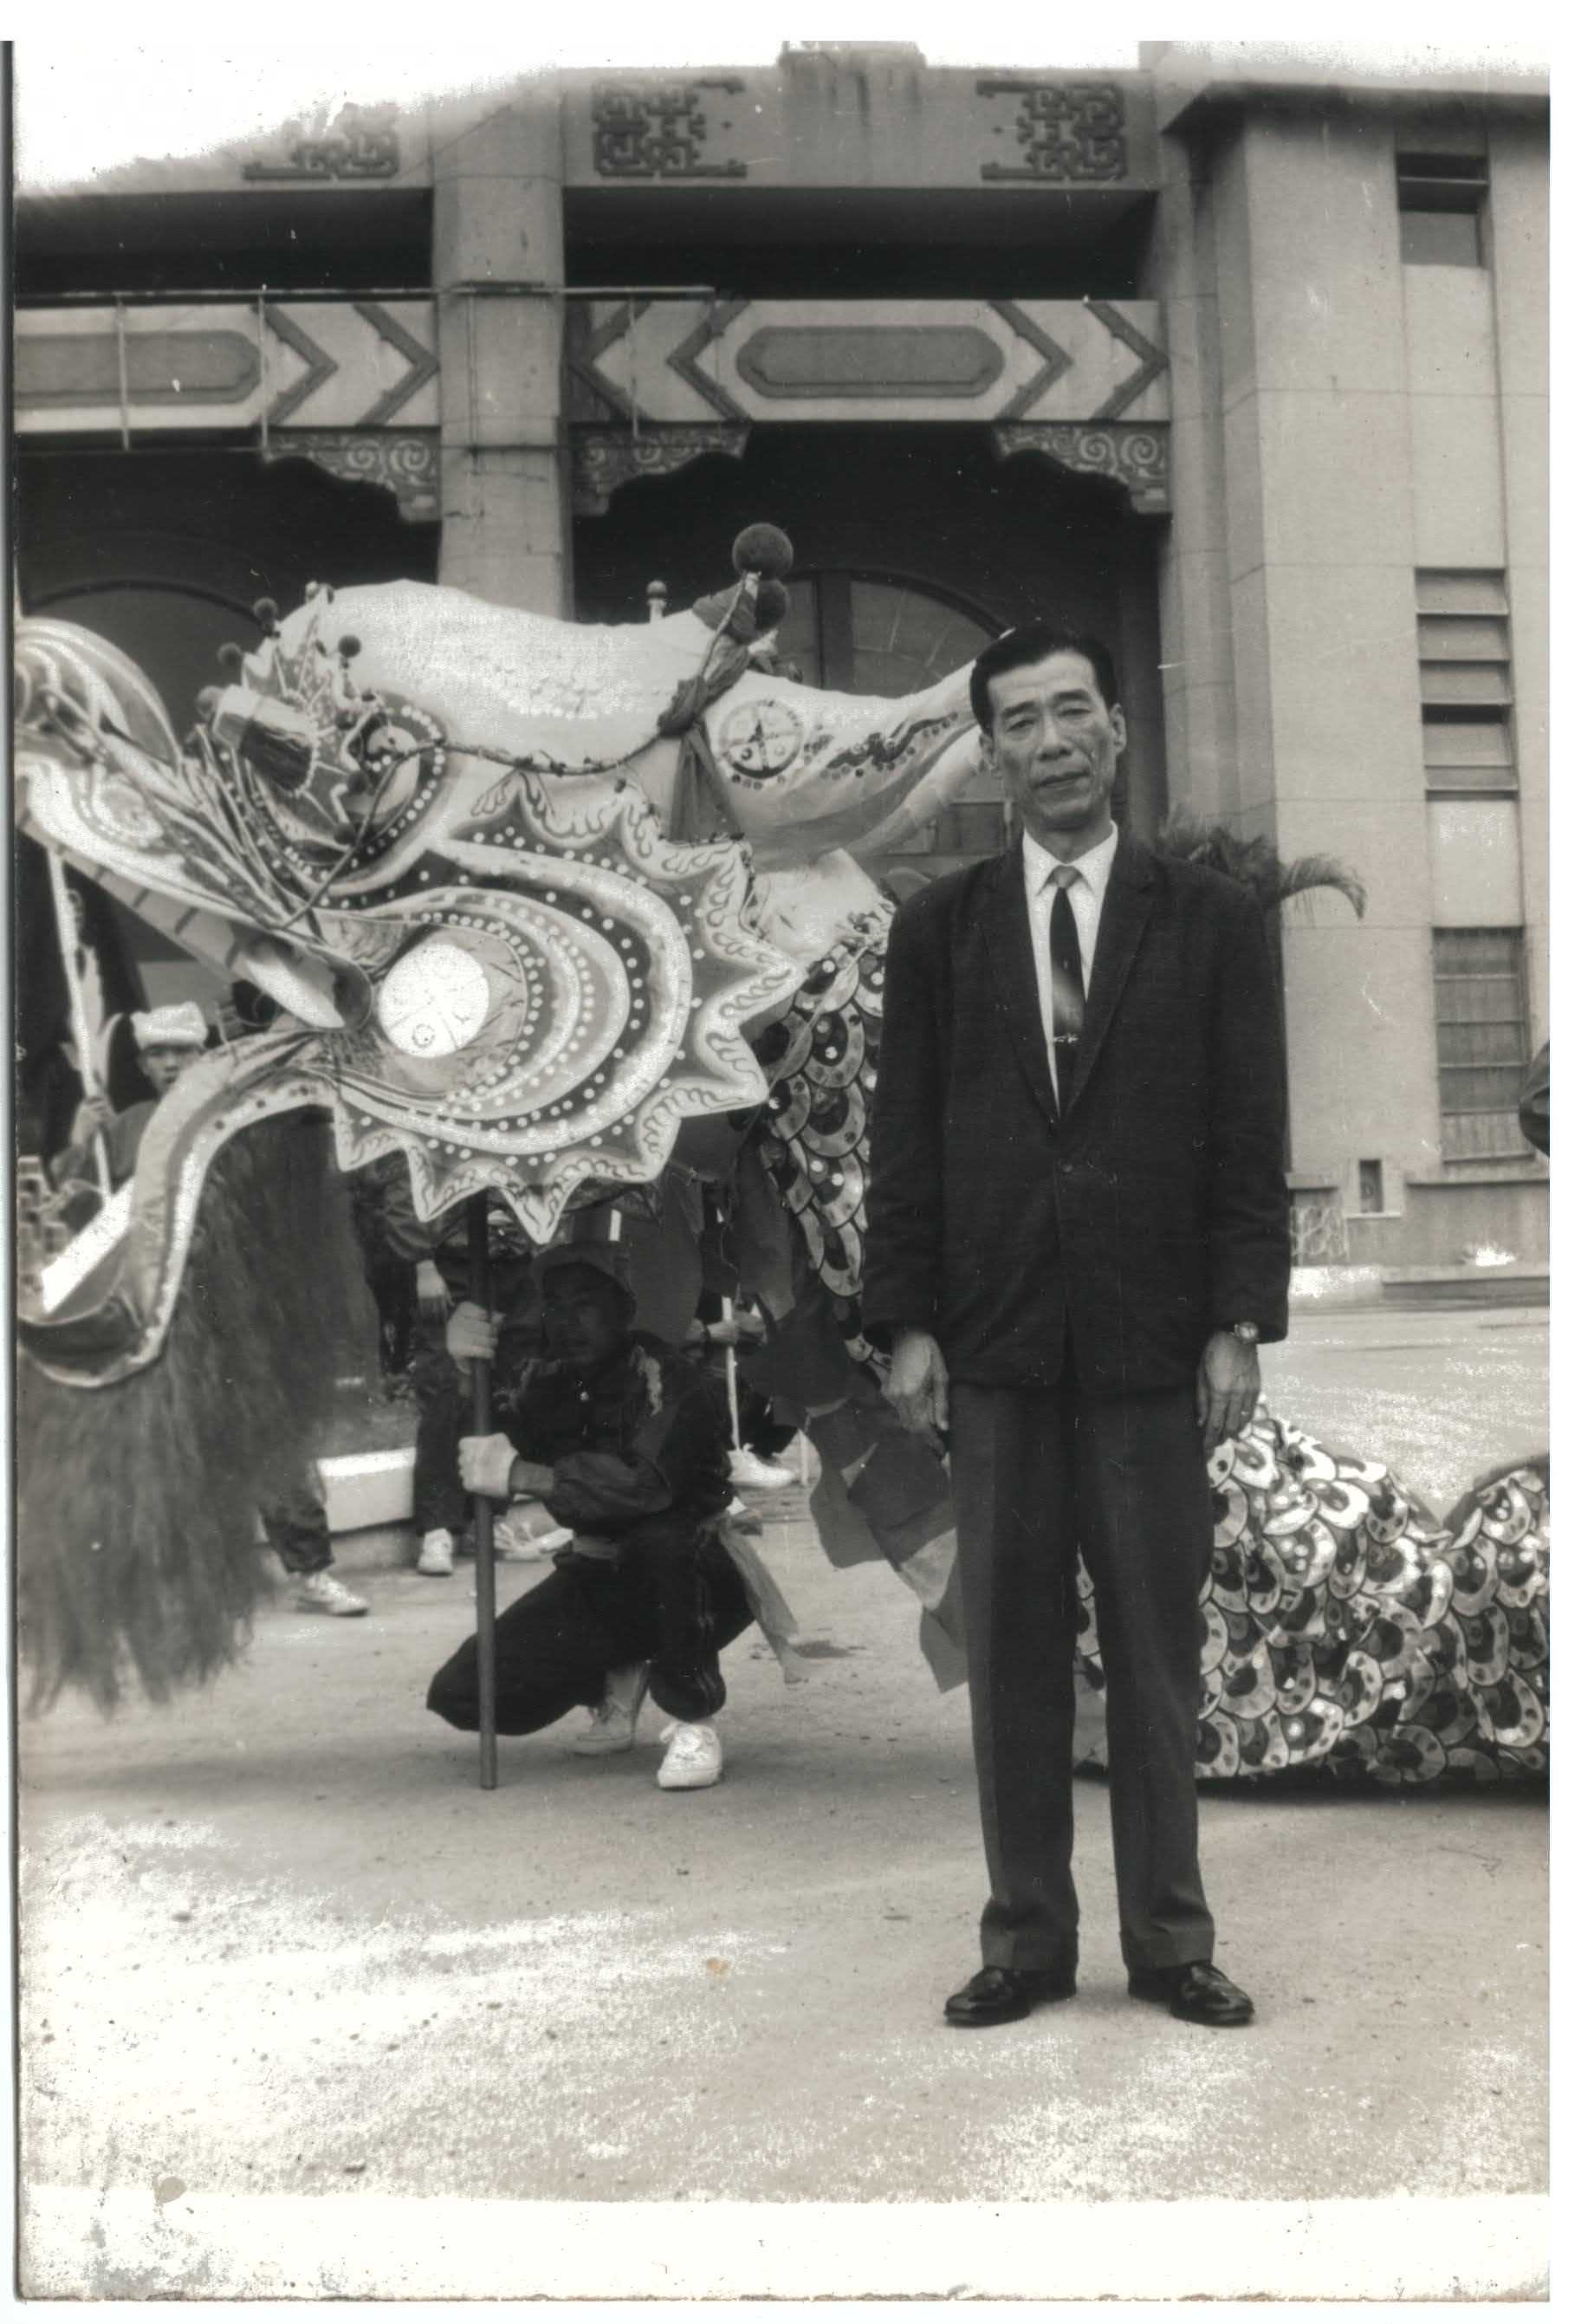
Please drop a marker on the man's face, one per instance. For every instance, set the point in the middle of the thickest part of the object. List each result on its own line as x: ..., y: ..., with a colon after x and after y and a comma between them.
x: 1055, y: 744
x: 166, y: 1062
x: 585, y: 1317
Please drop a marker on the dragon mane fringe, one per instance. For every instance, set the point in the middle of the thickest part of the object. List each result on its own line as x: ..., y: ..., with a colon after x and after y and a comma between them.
x: 137, y: 1555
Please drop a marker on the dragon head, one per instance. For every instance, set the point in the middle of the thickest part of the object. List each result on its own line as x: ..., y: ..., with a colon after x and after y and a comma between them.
x: 486, y: 957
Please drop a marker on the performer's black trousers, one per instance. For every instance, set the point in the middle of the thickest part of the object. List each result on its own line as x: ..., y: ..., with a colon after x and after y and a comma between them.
x: 1036, y: 1474
x: 673, y: 1602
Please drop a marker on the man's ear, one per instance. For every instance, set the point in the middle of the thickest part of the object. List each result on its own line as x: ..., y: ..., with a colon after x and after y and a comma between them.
x: 1121, y: 733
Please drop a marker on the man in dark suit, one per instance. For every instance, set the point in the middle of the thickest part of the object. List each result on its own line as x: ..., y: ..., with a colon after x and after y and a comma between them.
x: 1078, y: 1234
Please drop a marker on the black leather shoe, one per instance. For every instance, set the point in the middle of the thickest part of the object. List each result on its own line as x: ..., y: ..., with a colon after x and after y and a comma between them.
x: 996, y: 1997
x: 1195, y: 1991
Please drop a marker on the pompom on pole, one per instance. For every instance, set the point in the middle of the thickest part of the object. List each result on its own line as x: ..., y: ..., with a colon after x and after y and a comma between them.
x: 764, y: 550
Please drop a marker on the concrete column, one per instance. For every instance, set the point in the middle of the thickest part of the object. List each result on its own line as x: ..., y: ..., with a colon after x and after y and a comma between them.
x: 498, y: 218
x: 1197, y: 646
x: 1321, y: 550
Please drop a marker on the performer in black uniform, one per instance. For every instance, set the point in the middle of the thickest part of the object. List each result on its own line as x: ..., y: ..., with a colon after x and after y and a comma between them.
x: 626, y: 1442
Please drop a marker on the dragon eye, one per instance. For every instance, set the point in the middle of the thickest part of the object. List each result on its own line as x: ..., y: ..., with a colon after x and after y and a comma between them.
x: 434, y: 1001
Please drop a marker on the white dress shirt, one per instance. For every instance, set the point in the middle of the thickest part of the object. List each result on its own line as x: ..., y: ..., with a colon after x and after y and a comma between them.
x: 1086, y: 891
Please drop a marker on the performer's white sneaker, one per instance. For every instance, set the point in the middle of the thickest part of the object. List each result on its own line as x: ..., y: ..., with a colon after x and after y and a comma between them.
x: 750, y: 1473
x: 614, y: 1721
x: 695, y: 1757
x: 437, y: 1551
x: 323, y: 1593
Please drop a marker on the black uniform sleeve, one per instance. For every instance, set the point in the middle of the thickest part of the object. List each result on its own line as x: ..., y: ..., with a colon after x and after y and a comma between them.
x: 675, y: 1460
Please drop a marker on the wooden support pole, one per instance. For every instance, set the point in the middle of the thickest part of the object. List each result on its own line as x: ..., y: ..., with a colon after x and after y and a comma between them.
x: 728, y: 1312
x: 66, y: 935
x: 486, y: 1576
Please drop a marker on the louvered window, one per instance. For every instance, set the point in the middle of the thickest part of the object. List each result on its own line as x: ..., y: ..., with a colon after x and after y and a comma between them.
x: 1441, y: 198
x: 1464, y: 667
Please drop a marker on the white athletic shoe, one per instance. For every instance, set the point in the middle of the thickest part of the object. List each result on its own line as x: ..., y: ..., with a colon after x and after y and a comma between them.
x: 614, y: 1721
x: 437, y: 1551
x: 695, y: 1759
x: 324, y: 1593
x: 750, y: 1474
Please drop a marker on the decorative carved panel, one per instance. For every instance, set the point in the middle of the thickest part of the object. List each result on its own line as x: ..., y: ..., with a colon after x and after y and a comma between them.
x: 608, y: 457
x: 661, y: 360
x: 318, y: 363
x: 660, y: 130
x: 407, y: 465
x: 1059, y: 133
x: 1137, y: 458
x: 870, y: 360
x: 361, y: 145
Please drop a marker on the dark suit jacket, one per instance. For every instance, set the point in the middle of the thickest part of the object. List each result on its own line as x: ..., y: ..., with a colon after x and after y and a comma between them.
x: 1155, y: 1210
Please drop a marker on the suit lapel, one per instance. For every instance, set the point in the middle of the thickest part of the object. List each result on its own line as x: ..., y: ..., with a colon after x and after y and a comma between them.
x: 1004, y: 925
x: 1125, y: 910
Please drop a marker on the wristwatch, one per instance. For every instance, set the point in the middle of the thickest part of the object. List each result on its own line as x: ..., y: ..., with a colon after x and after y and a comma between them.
x: 1250, y: 1332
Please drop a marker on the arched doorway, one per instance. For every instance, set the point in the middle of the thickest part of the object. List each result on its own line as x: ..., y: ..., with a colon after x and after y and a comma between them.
x: 876, y: 634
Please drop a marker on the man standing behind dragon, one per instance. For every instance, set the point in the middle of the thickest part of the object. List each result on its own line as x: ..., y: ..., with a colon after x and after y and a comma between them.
x: 1078, y: 1234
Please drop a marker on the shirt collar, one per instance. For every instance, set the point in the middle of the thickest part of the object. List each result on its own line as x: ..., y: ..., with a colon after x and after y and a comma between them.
x: 1093, y: 868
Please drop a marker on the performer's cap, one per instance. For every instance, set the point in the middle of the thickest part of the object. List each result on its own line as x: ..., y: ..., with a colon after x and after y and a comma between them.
x: 591, y: 1238
x: 181, y: 1025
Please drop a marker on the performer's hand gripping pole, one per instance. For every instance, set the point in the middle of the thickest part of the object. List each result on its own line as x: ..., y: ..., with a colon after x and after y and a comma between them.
x: 481, y: 1423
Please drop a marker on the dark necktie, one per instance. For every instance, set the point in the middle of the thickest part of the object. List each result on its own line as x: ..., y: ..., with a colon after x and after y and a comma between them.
x: 1068, y: 980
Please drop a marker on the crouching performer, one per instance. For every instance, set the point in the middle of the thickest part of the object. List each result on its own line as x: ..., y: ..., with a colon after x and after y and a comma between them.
x: 627, y: 1443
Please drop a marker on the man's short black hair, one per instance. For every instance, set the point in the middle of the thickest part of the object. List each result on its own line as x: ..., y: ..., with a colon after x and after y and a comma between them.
x: 1022, y: 648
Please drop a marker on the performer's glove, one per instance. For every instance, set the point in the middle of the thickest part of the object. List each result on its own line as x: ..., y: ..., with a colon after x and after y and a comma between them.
x: 484, y: 1465
x: 431, y: 1293
x: 472, y: 1332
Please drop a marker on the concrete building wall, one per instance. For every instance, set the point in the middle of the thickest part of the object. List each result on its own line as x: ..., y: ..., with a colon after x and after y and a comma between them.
x: 1377, y: 419
x: 1320, y: 563
x: 1519, y: 236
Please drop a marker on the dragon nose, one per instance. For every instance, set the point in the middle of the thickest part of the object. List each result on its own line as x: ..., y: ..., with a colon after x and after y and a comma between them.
x: 306, y: 987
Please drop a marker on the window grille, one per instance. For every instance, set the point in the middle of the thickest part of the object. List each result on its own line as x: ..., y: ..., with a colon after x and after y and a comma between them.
x: 1480, y: 1005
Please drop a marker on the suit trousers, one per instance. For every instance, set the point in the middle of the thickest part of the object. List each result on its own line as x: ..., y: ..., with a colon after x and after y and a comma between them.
x: 1038, y: 1475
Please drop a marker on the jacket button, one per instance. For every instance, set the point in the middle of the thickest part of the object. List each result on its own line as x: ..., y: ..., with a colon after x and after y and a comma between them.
x: 1066, y: 1168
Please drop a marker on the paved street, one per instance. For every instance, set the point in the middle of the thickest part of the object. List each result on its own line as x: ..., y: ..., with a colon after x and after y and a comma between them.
x: 283, y: 1962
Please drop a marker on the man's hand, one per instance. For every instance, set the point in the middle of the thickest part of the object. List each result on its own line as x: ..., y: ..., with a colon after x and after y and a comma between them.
x: 472, y: 1332
x: 916, y: 1382
x: 94, y: 1114
x: 431, y: 1293
x: 1227, y: 1388
x: 485, y: 1463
